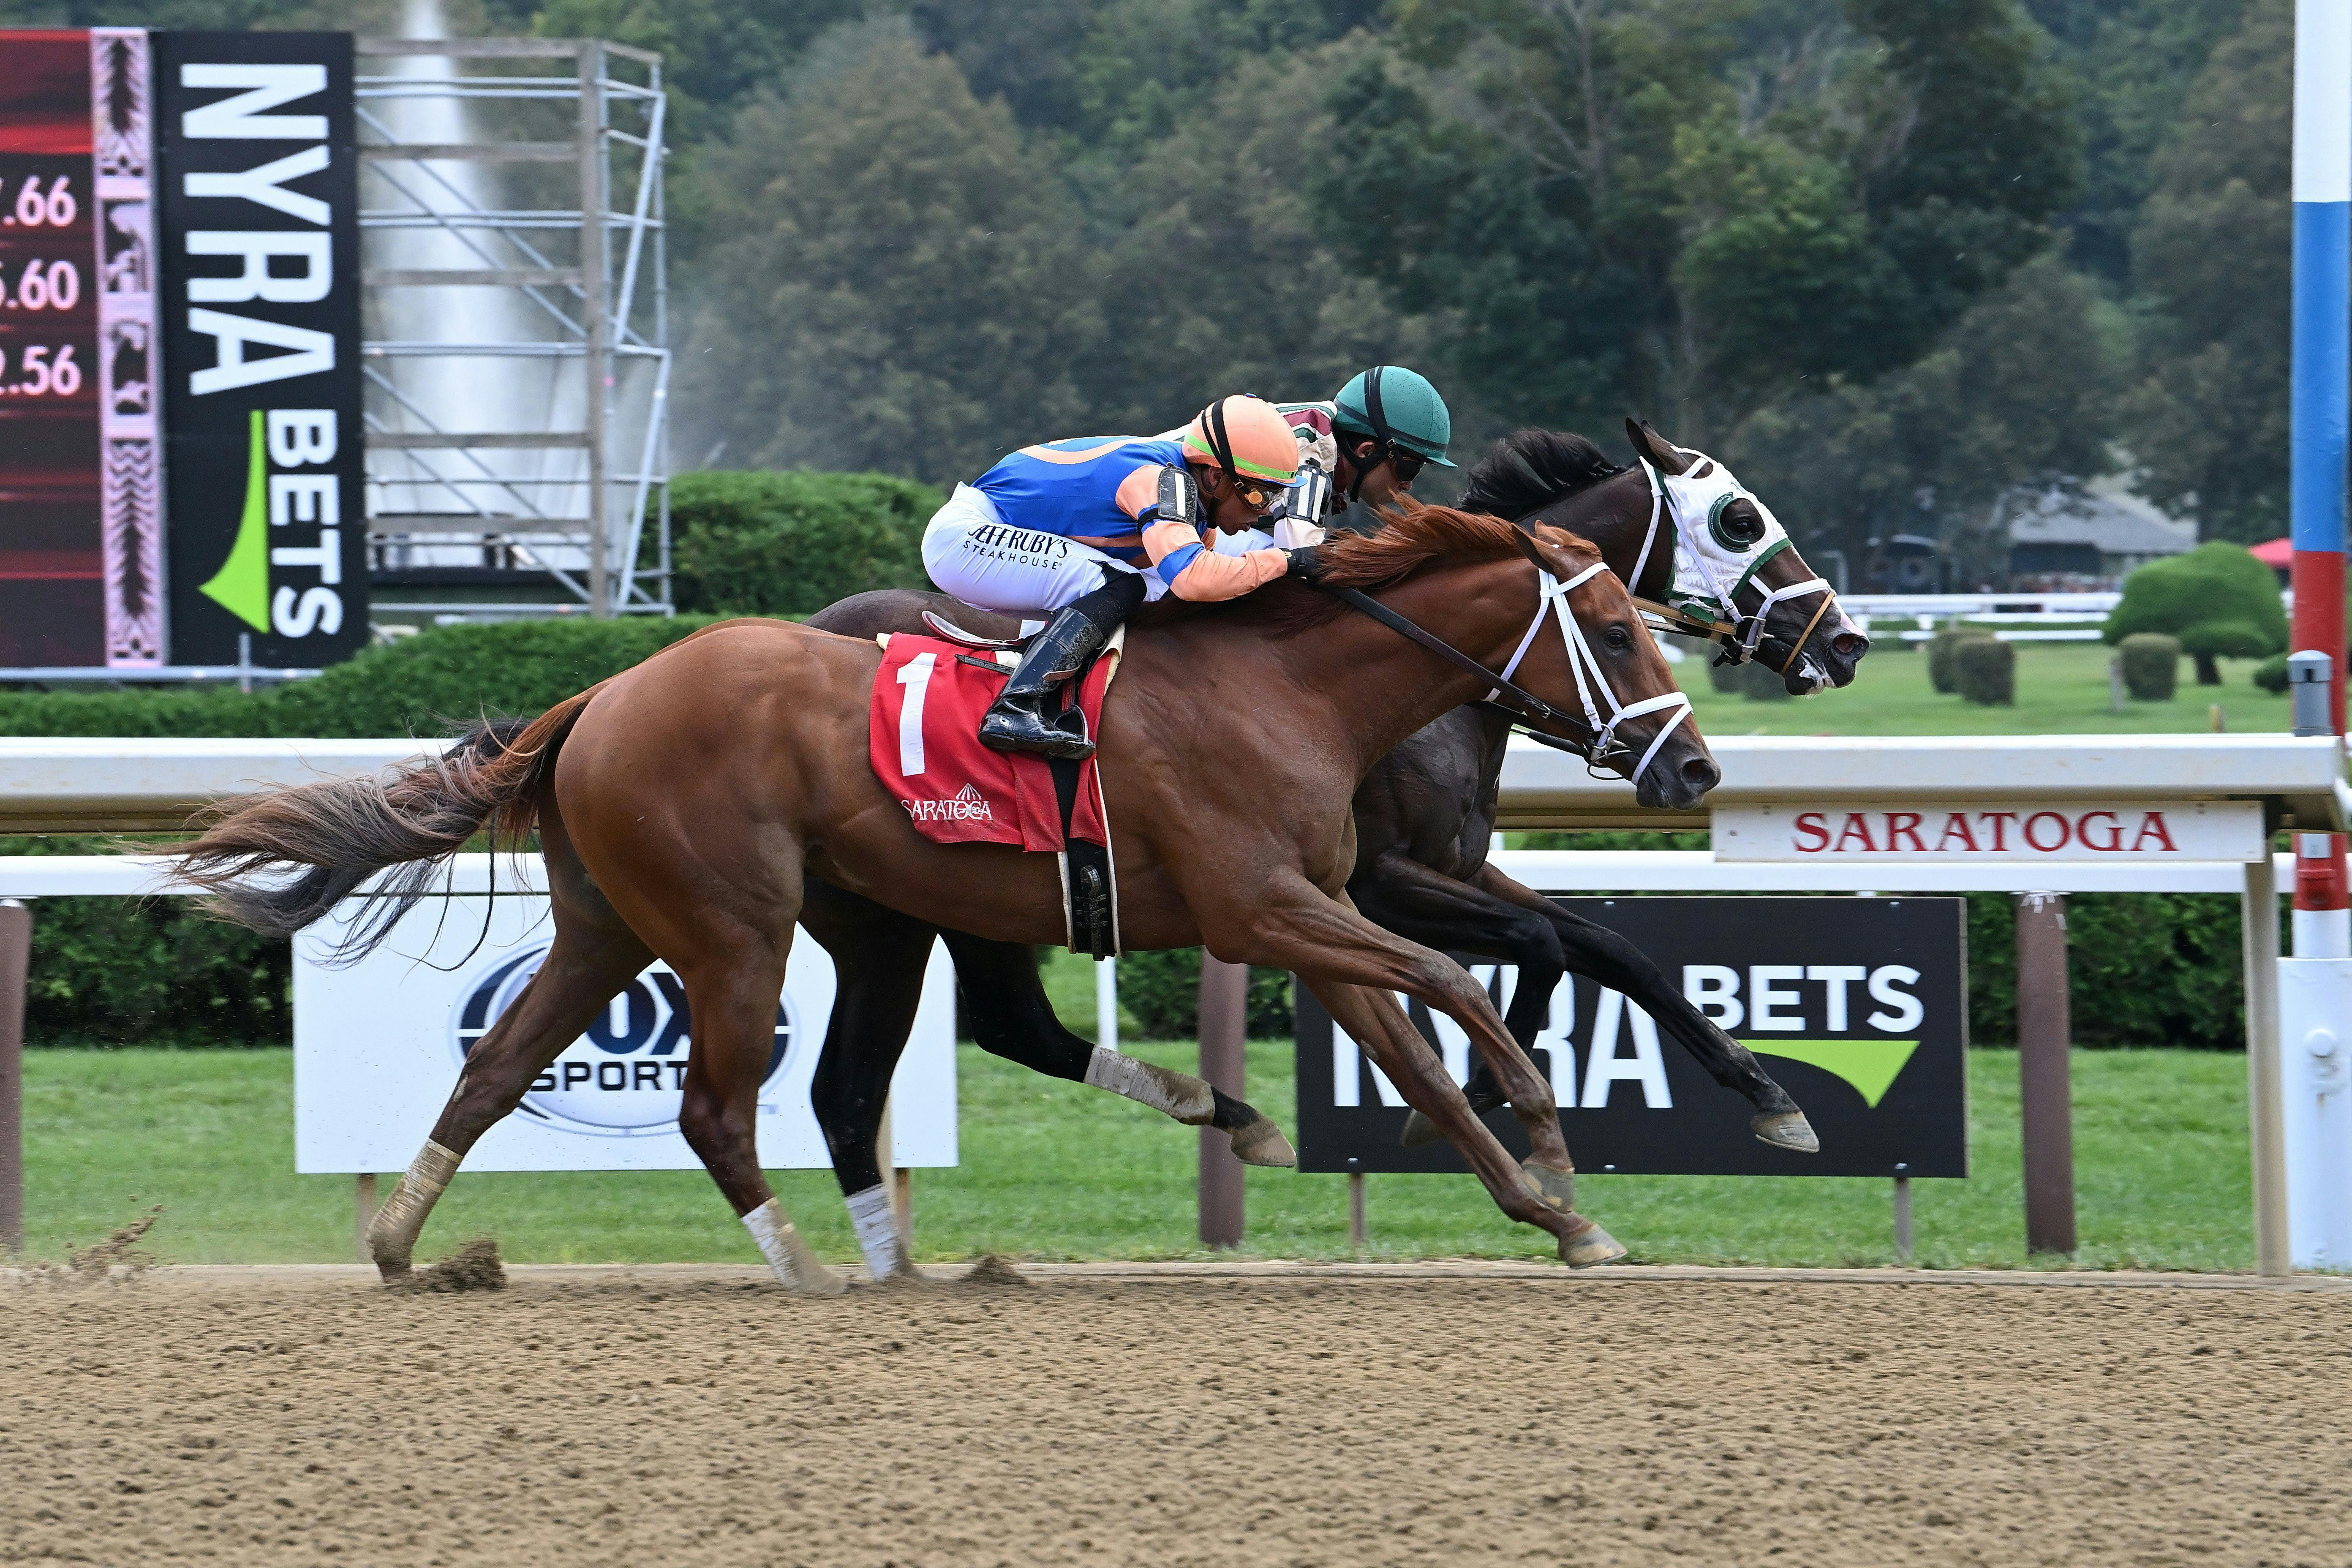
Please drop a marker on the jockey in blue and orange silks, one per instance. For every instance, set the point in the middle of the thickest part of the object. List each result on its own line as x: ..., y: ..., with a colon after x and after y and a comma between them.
x: 1087, y: 529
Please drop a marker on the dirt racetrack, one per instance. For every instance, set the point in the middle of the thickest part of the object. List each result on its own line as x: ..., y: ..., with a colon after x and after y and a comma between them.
x: 582, y: 1422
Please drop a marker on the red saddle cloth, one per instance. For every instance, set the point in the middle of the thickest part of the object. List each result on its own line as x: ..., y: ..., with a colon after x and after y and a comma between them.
x: 924, y: 743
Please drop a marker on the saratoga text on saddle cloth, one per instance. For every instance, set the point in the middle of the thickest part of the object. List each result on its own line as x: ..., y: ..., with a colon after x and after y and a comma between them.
x: 1990, y: 830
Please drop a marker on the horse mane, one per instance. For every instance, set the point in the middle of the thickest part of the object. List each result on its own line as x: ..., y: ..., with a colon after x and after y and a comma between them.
x: 1530, y: 470
x: 1414, y: 537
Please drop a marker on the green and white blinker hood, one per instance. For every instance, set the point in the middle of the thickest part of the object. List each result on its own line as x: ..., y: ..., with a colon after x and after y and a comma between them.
x: 1712, y: 567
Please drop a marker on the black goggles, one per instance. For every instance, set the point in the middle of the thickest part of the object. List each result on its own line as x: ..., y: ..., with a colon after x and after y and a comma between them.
x: 1259, y: 493
x: 1408, y: 464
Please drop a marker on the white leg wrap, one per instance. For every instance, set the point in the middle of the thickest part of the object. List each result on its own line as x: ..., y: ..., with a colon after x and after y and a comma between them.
x: 877, y: 1224
x: 796, y: 1267
x: 1176, y: 1094
x: 391, y: 1235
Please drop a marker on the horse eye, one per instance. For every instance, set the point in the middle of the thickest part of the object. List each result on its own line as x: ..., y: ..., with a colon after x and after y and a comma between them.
x: 1618, y: 637
x: 1742, y: 525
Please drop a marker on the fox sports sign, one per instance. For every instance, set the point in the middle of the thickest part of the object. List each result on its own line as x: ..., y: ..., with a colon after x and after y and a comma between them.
x: 623, y: 1076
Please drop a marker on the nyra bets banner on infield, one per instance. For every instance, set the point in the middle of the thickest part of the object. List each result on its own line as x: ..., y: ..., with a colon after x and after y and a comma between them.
x: 378, y: 1046
x: 259, y: 155
x: 1856, y: 1006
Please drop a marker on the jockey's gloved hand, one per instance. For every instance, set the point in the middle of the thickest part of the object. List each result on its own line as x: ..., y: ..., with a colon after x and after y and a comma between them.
x: 1306, y: 565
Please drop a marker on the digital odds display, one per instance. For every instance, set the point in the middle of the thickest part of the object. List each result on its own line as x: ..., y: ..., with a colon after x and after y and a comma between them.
x: 180, y: 444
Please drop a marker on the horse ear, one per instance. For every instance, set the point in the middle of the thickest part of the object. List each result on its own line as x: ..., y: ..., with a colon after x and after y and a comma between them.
x: 1667, y: 457
x: 1524, y: 536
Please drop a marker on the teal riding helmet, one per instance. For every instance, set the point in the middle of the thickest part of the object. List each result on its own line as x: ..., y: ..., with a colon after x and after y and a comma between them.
x: 1391, y: 404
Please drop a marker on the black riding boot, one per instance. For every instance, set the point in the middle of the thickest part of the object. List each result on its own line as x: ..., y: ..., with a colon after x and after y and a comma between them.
x: 1015, y: 720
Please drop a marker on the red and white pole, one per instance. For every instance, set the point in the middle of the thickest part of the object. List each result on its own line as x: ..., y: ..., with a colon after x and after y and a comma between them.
x: 2320, y: 404
x: 2308, y: 1087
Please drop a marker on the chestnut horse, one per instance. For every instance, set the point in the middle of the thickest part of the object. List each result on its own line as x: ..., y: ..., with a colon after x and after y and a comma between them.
x: 1424, y: 818
x: 682, y: 804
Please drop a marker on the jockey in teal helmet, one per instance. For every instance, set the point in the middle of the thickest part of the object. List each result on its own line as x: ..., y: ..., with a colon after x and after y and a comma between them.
x: 1368, y: 445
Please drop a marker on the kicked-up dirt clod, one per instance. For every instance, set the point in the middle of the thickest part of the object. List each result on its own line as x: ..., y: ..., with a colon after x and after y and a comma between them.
x: 578, y: 1423
x: 473, y: 1267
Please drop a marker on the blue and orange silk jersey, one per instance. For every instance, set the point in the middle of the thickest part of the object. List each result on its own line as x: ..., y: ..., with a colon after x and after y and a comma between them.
x: 1097, y: 490
x: 1104, y: 491
x: 1091, y: 489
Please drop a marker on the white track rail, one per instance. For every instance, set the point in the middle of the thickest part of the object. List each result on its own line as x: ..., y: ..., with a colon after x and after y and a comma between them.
x: 108, y: 785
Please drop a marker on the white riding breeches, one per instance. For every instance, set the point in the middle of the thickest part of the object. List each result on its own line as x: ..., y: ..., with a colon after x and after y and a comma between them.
x: 973, y: 554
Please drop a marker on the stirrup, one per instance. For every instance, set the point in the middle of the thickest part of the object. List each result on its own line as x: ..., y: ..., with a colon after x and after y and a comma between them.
x: 1016, y: 727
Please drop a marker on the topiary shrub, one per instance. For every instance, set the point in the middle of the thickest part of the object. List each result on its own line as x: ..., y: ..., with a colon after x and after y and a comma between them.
x: 2271, y: 675
x: 790, y: 543
x: 2151, y: 665
x: 1985, y: 671
x: 1759, y: 682
x: 1163, y: 989
x: 1941, y: 673
x: 2217, y: 600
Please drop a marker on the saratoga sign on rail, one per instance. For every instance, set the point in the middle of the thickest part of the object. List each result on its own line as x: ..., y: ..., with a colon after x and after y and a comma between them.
x: 1992, y: 830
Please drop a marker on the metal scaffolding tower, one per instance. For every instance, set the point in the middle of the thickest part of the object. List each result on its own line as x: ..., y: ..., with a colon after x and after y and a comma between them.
x: 517, y: 358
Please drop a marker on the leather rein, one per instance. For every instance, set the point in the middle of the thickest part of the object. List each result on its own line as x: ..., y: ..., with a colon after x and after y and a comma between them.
x: 1522, y: 705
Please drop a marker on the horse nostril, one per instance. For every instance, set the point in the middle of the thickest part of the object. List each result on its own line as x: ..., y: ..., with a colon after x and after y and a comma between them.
x: 1850, y: 644
x: 1701, y: 775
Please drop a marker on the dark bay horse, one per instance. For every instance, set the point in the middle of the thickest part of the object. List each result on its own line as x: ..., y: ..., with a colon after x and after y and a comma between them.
x: 685, y: 804
x: 1423, y: 816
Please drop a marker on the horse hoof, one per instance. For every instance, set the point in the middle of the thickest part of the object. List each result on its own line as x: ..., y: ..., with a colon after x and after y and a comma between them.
x: 814, y: 1282
x: 1419, y: 1129
x: 1584, y: 1249
x: 1262, y: 1143
x: 800, y: 1273
x: 1787, y: 1129
x: 1555, y: 1188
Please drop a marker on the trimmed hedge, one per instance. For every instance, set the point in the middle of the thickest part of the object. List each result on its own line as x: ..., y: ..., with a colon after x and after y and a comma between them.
x: 790, y: 543
x: 1985, y: 671
x: 1752, y: 678
x: 1942, y: 649
x: 2143, y: 970
x: 2150, y: 662
x: 127, y: 971
x: 418, y: 685
x: 2217, y: 600
x: 148, y: 972
x: 1163, y: 989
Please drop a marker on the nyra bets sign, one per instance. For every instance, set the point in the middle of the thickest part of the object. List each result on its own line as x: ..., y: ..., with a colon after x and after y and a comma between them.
x: 259, y: 199
x: 1856, y: 1006
x: 2003, y: 830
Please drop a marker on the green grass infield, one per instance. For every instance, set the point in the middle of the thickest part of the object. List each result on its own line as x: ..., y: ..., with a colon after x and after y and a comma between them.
x: 2061, y: 689
x: 1055, y: 1171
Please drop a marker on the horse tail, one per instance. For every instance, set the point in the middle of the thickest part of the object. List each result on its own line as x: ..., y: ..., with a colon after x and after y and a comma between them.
x: 338, y: 833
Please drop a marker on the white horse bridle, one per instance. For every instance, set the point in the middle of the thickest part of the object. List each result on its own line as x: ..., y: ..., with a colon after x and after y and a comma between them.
x: 1700, y: 600
x: 1551, y: 596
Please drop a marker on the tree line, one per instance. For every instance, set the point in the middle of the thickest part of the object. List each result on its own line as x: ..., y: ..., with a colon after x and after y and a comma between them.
x: 1892, y: 258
